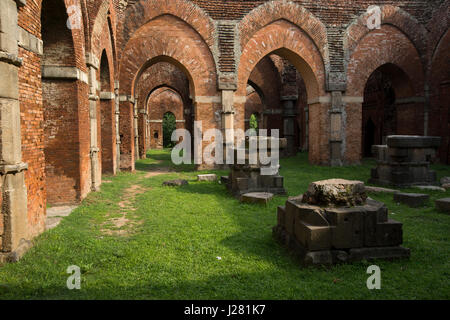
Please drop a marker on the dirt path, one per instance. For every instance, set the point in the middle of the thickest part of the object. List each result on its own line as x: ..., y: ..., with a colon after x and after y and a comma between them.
x: 123, y: 225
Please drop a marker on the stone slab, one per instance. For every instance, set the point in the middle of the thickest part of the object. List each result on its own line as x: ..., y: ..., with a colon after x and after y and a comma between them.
x: 384, y: 253
x: 430, y: 188
x: 370, y: 189
x: 413, y: 200
x: 257, y: 197
x: 207, y: 177
x: 335, y: 192
x: 413, y: 141
x: 175, y: 183
x: 63, y: 211
x: 443, y: 205
x: 445, y: 180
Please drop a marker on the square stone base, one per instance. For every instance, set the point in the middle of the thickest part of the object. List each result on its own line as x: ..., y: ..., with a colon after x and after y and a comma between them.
x: 331, y: 256
x: 17, y: 254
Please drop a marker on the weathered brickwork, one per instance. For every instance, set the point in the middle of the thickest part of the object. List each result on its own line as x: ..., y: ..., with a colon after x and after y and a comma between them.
x: 160, y: 75
x: 160, y: 102
x: 87, y: 99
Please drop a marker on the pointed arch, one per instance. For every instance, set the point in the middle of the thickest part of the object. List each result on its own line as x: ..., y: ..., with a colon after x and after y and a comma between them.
x: 294, y: 13
x: 391, y: 15
x: 145, y: 11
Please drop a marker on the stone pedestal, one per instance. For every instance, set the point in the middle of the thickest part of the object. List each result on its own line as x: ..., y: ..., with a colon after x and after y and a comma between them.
x: 405, y: 161
x: 248, y: 178
x: 289, y: 118
x: 335, y: 222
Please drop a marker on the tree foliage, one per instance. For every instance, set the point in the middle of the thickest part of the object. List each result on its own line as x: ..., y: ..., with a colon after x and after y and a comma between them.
x: 169, y: 126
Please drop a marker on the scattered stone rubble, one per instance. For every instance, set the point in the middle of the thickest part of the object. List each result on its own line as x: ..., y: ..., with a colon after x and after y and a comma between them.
x: 248, y: 178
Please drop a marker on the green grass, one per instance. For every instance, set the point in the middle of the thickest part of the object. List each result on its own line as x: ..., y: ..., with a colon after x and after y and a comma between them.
x: 170, y: 250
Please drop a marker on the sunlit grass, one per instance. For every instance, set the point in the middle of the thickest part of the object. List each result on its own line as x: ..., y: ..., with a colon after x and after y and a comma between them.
x: 171, y: 250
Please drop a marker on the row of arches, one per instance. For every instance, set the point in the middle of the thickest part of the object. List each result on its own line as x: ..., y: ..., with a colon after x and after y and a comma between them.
x: 389, y: 50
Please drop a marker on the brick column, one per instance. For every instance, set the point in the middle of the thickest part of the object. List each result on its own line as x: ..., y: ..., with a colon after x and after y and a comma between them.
x: 306, y: 141
x: 136, y: 129
x: 117, y: 119
x: 14, y: 236
x: 144, y: 131
x: 336, y: 129
x: 96, y: 171
x: 228, y: 120
x: 127, y: 131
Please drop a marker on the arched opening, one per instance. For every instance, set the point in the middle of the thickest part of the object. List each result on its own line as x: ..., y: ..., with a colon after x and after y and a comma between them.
x: 169, y: 125
x: 160, y: 75
x: 60, y: 103
x: 254, y: 122
x: 388, y: 107
x: 297, y: 57
x: 172, y: 39
x: 287, y: 106
x: 106, y: 130
x: 254, y: 107
x: 166, y: 113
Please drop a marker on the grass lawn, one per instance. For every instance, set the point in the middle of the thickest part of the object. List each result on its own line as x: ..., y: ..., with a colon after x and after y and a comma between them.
x: 138, y: 240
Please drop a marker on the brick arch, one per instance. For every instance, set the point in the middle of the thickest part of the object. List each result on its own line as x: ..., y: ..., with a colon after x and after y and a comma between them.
x: 386, y: 46
x: 160, y: 102
x: 144, y: 11
x: 393, y: 16
x: 77, y: 36
x: 296, y: 14
x: 379, y: 47
x: 267, y: 78
x: 159, y: 75
x: 289, y: 41
x: 99, y: 25
x: 168, y: 86
x: 106, y: 127
x: 438, y: 26
x: 173, y: 95
x: 439, y: 121
x: 152, y: 43
x: 257, y: 89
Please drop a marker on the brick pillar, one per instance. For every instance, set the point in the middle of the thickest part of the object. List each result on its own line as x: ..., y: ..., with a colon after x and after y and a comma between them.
x: 306, y: 141
x: 14, y: 235
x: 228, y: 120
x: 127, y: 132
x: 336, y: 129
x: 289, y: 118
x: 108, y: 133
x: 136, y: 129
x: 96, y: 171
x: 117, y: 119
x: 144, y: 132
